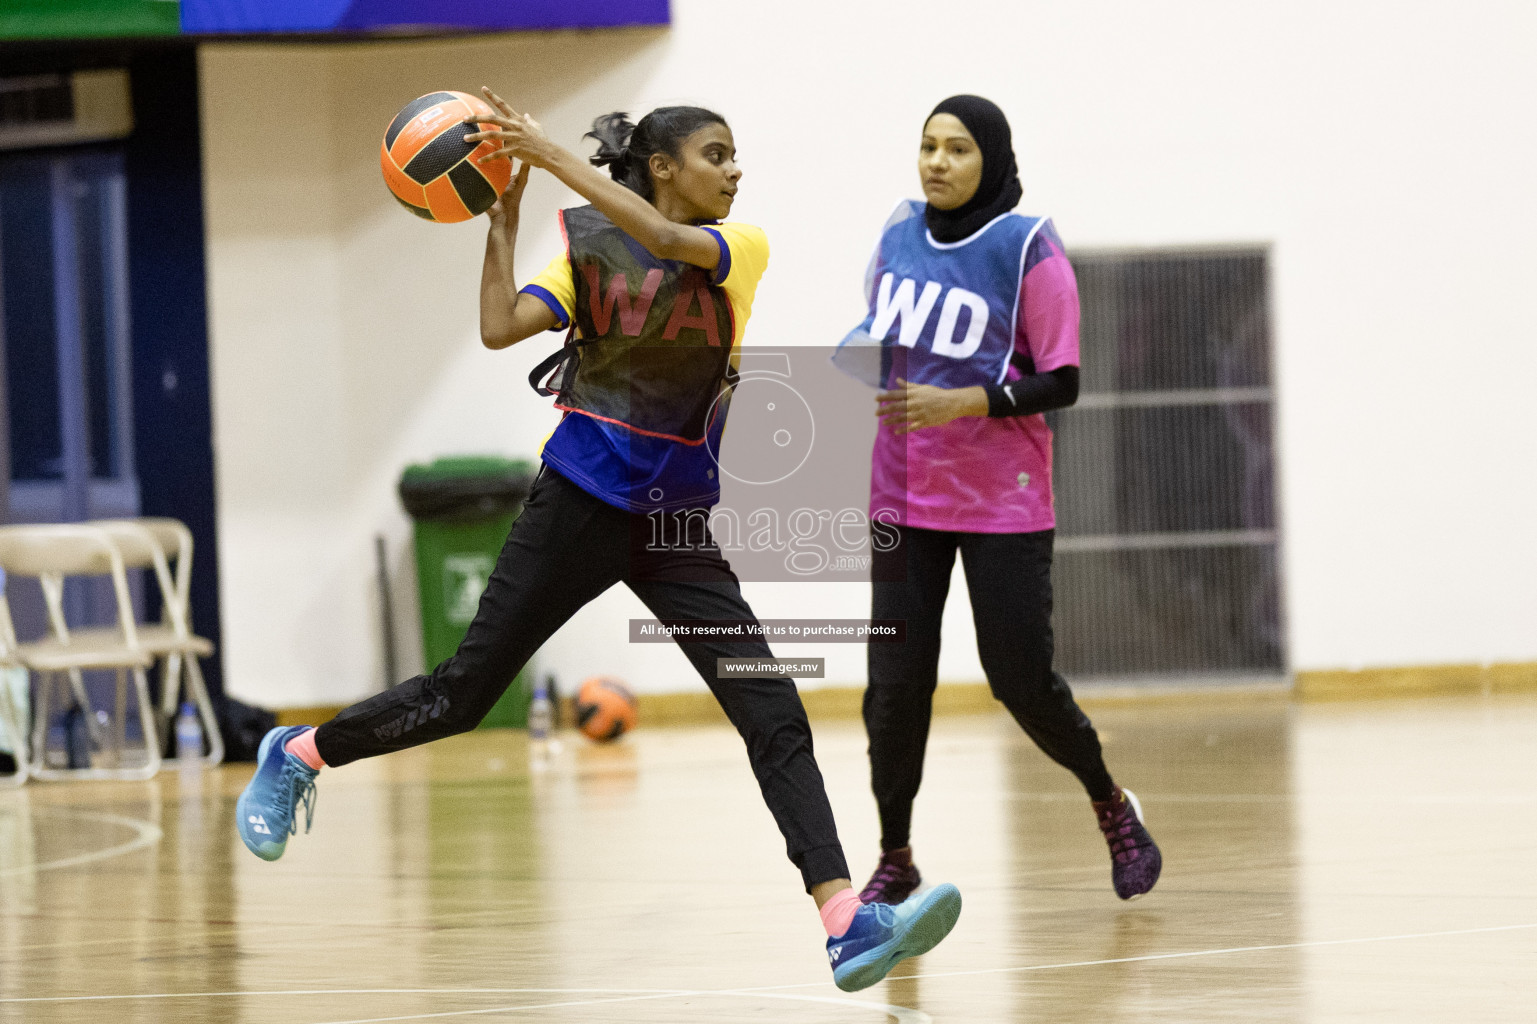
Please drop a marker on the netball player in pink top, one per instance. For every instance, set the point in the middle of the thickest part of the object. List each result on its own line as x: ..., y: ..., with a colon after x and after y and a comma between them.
x: 976, y: 310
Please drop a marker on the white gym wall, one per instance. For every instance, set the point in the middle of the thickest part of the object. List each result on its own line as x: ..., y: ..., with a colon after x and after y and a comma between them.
x: 1381, y: 150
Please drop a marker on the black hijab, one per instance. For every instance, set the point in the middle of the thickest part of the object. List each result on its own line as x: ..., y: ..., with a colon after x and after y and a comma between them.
x: 999, y: 190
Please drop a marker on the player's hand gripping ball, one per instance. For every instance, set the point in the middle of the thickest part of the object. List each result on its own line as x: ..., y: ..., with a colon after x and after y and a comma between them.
x: 605, y: 709
x: 431, y: 169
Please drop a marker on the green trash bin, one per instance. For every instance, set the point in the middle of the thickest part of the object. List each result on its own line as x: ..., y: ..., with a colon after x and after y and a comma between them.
x: 463, y: 508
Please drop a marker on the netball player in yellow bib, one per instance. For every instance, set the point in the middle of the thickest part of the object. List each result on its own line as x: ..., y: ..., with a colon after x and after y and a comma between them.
x: 656, y: 291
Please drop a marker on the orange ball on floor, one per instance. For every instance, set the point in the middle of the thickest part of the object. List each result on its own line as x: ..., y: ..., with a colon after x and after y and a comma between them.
x: 605, y: 709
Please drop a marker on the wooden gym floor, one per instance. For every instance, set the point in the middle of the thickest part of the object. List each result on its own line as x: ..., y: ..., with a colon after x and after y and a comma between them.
x: 1340, y: 862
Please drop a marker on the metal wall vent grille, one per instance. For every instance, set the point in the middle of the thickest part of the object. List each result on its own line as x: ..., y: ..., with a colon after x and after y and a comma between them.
x: 1167, y: 542
x: 34, y: 100
x: 59, y: 110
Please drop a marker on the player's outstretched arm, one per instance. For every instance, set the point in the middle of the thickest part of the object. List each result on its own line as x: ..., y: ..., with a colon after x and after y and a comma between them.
x: 506, y: 316
x: 521, y: 136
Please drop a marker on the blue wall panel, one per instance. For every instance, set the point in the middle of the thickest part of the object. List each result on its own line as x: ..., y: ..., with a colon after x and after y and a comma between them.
x: 262, y: 16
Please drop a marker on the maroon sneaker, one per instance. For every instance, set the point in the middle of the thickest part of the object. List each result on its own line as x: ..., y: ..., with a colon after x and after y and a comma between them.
x: 1135, y: 862
x: 894, y: 880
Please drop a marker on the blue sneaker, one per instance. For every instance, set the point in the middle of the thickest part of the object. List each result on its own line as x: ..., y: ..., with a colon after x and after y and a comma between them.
x: 264, y: 814
x: 883, y: 935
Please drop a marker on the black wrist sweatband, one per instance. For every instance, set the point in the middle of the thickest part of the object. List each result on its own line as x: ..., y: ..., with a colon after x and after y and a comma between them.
x: 1033, y: 393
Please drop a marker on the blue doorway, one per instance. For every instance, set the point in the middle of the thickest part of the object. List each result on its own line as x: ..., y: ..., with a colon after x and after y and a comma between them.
x: 104, y: 376
x: 65, y: 323
x: 67, y: 374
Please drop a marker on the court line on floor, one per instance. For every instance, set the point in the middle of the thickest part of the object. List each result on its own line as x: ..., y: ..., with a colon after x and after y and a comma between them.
x: 773, y: 991
x: 516, y: 1008
x: 1313, y: 944
x: 148, y: 834
x: 342, y: 992
x: 1414, y: 799
x: 902, y: 1014
x: 1190, y: 954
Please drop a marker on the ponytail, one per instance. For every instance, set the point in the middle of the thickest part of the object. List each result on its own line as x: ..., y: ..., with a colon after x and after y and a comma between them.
x: 626, y: 148
x: 613, y: 132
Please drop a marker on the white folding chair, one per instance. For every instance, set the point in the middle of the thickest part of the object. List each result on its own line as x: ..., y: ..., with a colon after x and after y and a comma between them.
x: 152, y: 543
x: 52, y: 554
x: 11, y: 723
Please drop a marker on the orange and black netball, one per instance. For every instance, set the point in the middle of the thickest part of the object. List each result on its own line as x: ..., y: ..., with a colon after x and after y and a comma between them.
x: 431, y: 169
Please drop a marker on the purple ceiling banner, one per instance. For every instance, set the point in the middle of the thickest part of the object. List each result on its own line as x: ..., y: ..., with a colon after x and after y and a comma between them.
x: 254, y: 17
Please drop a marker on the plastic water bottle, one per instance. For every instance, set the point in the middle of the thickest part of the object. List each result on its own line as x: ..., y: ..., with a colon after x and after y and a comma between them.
x: 541, y: 718
x: 189, y: 736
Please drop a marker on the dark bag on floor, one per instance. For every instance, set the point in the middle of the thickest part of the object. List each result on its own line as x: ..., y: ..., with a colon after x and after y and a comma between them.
x: 242, y: 727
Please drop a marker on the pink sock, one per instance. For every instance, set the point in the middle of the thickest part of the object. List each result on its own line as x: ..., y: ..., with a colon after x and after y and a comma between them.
x: 838, y: 912
x: 302, y: 746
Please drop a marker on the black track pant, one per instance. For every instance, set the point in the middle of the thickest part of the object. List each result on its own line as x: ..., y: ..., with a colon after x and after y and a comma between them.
x: 1008, y: 576
x: 565, y: 549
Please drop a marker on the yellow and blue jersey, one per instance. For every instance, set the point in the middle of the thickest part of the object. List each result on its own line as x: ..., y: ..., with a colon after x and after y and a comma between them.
x: 744, y: 251
x: 619, y: 462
